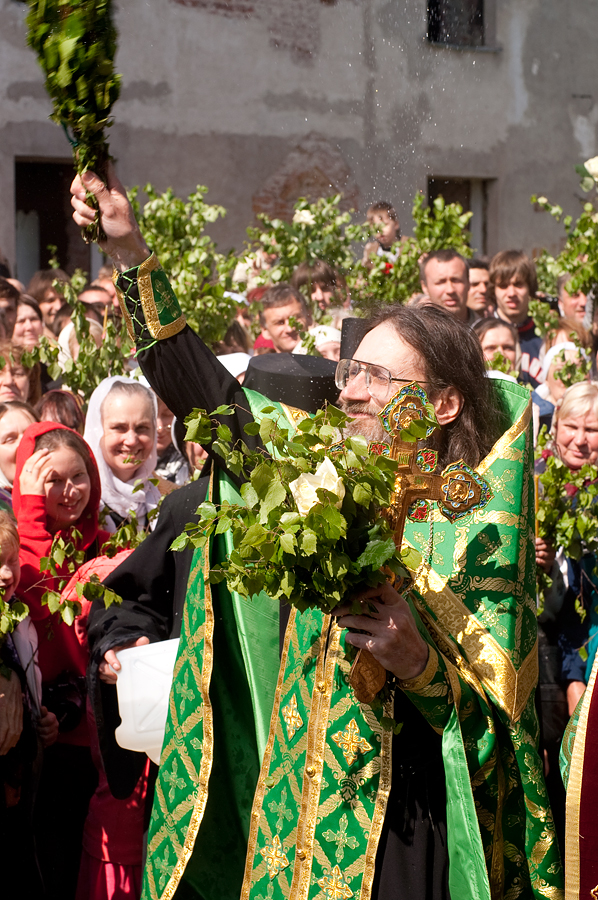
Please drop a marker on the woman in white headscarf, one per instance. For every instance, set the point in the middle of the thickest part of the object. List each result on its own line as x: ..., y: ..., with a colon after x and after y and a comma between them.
x: 120, y: 428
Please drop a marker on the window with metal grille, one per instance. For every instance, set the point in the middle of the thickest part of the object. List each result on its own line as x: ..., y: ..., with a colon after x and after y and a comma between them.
x: 456, y: 22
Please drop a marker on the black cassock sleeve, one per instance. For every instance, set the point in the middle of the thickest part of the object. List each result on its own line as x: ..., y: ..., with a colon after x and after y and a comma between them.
x: 152, y: 582
x: 179, y: 366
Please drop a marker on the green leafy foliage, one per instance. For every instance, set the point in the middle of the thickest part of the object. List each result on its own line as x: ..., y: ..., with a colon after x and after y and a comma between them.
x: 545, y: 319
x: 75, y: 43
x: 500, y: 363
x: 129, y: 533
x: 175, y: 230
x: 442, y: 225
x: 93, y: 363
x: 63, y: 561
x: 567, y: 514
x: 310, y: 557
x: 579, y: 256
x: 547, y: 271
x: 317, y: 231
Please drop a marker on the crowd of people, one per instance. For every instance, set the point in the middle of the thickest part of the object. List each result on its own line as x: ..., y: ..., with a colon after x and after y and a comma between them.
x: 77, y: 472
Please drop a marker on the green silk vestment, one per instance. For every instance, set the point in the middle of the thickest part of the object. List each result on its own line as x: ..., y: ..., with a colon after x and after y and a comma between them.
x: 326, y: 773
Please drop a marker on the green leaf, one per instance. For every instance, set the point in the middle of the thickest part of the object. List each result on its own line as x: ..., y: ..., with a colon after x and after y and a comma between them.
x: 249, y: 495
x: 309, y: 542
x: 288, y: 542
x: 376, y: 553
x: 362, y: 494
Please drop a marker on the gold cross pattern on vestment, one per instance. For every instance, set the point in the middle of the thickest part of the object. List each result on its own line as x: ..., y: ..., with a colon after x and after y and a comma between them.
x: 458, y: 490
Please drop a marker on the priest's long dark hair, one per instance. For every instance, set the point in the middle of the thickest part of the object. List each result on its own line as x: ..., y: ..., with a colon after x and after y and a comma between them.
x: 453, y: 358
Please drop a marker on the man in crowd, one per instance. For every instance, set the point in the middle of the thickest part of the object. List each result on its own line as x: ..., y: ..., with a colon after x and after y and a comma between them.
x: 479, y: 276
x: 96, y: 296
x: 280, y: 304
x: 104, y: 280
x: 571, y: 306
x: 445, y: 280
x: 514, y: 283
x: 331, y: 818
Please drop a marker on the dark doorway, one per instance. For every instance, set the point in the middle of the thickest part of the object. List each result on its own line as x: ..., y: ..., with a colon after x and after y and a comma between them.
x: 43, y: 211
x: 472, y: 195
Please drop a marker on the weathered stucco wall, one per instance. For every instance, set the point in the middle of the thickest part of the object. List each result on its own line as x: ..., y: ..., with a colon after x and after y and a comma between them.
x: 260, y: 99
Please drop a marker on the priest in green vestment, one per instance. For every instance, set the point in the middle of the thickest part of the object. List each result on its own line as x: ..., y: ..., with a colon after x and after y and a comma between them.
x: 454, y: 805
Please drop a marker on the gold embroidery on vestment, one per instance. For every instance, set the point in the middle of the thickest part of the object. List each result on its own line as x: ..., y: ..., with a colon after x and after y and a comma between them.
x: 208, y: 733
x: 351, y: 742
x: 334, y: 886
x: 491, y: 663
x: 292, y: 717
x: 274, y: 857
x: 148, y: 302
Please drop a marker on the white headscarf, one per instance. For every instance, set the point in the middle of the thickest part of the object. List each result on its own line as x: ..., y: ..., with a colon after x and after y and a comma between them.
x: 116, y: 494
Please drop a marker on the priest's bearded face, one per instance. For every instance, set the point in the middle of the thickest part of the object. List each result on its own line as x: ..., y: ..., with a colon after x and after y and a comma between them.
x: 382, y: 346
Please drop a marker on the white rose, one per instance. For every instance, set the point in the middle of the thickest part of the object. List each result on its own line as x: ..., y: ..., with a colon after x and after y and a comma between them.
x: 304, y: 488
x: 592, y: 167
x: 304, y: 217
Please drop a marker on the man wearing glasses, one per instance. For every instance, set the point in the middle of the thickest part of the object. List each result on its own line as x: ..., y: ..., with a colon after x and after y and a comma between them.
x: 453, y: 803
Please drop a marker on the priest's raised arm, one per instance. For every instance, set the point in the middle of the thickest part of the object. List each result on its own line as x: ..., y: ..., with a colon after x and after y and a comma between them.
x: 182, y: 370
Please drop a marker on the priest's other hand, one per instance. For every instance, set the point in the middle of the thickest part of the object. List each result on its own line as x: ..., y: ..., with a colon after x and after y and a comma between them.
x: 11, y: 712
x: 110, y: 661
x: 124, y: 242
x: 391, y: 634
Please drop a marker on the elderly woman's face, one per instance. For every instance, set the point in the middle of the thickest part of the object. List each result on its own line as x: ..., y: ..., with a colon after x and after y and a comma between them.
x: 14, y: 383
x: 577, y: 440
x: 128, y: 434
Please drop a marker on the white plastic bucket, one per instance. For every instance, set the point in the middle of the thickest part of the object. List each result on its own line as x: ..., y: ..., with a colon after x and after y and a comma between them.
x: 143, y: 688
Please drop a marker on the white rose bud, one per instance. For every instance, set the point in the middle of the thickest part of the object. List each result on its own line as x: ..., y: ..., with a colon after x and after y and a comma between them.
x: 304, y: 488
x: 592, y: 167
x: 304, y: 217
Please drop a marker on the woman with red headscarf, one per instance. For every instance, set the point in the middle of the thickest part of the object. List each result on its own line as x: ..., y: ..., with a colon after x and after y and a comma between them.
x: 57, y: 491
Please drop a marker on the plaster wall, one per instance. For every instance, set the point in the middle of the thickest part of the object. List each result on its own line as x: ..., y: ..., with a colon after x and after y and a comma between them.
x: 252, y: 97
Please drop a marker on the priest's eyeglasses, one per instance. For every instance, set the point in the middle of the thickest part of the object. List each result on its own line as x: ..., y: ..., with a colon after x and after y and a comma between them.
x: 377, y: 379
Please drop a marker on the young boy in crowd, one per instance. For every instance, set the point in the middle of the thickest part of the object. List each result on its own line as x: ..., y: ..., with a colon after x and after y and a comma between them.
x: 513, y: 282
x: 385, y: 222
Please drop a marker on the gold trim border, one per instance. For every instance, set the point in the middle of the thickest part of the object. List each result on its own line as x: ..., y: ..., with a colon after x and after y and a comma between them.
x: 381, y: 804
x: 573, y: 802
x: 258, y: 798
x: 510, y: 688
x: 314, y: 757
x: 509, y: 437
x: 148, y: 303
x: 208, y: 738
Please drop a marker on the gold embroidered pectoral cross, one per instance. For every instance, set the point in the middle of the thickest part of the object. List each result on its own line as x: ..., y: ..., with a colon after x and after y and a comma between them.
x: 458, y: 490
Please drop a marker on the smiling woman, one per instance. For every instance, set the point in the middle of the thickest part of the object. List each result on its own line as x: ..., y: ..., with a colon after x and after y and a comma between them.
x: 121, y: 430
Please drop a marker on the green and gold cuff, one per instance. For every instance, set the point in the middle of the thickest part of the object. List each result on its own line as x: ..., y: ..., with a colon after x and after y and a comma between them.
x: 148, y: 303
x: 420, y: 682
